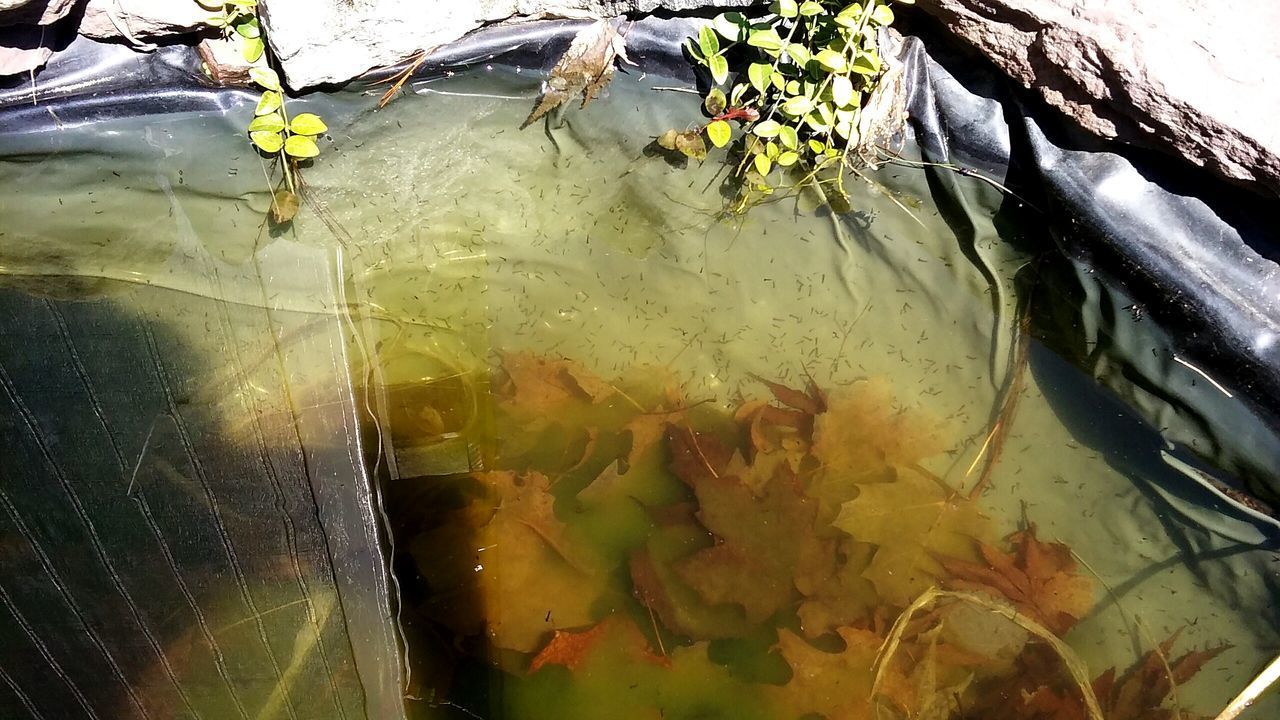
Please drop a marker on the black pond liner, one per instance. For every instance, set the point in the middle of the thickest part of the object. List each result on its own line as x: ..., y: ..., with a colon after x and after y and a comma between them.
x: 1140, y: 238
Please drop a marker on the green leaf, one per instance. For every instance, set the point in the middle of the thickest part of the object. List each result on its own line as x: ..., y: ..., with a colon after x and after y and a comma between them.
x: 271, y: 122
x: 719, y: 132
x: 816, y: 146
x: 719, y: 68
x: 792, y: 87
x: 249, y: 28
x: 882, y: 15
x: 739, y: 90
x: 850, y: 16
x: 799, y: 54
x: 301, y: 146
x: 809, y: 8
x: 771, y: 150
x: 252, y: 49
x: 845, y: 130
x: 269, y: 102
x: 266, y: 77
x: 708, y: 42
x: 270, y: 142
x: 766, y: 39
x: 763, y: 164
x: 731, y: 26
x: 831, y: 60
x: 759, y: 74
x: 790, y: 139
x: 841, y: 90
x: 784, y: 8
x: 307, y: 124
x: 767, y: 128
x: 797, y: 106
x: 715, y: 102
x: 788, y: 158
x: 866, y: 64
x: 694, y: 52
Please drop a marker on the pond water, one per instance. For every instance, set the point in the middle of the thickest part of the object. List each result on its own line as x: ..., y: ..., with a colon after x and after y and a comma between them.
x: 640, y: 461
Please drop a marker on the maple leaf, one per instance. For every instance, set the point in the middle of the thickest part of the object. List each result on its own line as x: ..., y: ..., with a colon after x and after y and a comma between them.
x: 911, y: 521
x: 836, y: 685
x: 571, y: 649
x: 760, y: 535
x: 1140, y: 693
x: 1037, y: 691
x: 538, y: 388
x: 585, y: 67
x: 834, y: 590
x: 505, y: 566
x: 1038, y: 578
x: 860, y: 435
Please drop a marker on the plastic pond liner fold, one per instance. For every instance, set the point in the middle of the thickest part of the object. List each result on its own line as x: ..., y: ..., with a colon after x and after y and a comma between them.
x: 519, y: 427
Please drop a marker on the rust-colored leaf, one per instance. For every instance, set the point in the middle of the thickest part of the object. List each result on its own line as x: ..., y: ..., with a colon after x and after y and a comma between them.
x: 537, y: 388
x: 1141, y: 692
x: 837, y: 685
x: 1038, y: 578
x: 570, y: 648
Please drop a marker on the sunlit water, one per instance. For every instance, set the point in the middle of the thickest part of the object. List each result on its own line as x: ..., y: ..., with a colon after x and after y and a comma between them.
x: 462, y: 241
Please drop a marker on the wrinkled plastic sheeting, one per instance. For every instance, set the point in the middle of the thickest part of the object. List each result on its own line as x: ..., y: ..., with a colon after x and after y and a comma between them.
x: 179, y: 538
x: 188, y: 526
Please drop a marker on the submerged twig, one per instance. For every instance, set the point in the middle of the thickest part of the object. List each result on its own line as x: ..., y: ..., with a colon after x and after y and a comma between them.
x: 993, y: 445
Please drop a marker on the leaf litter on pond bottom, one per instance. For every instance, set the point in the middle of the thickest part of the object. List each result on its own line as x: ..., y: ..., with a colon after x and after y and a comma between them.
x: 804, y: 516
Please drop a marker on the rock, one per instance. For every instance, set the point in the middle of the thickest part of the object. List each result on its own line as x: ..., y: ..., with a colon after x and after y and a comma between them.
x: 135, y: 20
x: 23, y: 49
x: 35, y: 12
x: 223, y: 61
x: 329, y: 41
x: 1191, y: 76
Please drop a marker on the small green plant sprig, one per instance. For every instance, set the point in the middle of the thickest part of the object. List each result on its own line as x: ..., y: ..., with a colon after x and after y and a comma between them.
x: 809, y: 69
x: 239, y: 18
x: 272, y: 130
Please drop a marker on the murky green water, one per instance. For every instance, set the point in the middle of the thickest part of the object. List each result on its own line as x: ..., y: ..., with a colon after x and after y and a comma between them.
x: 543, y: 306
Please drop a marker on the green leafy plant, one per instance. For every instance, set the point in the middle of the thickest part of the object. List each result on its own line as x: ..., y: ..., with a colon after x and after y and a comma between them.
x: 805, y: 74
x: 272, y: 131
x: 239, y: 18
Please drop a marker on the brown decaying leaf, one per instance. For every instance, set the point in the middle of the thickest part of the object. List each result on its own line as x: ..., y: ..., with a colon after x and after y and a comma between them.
x: 1038, y: 578
x: 503, y: 565
x: 1140, y: 693
x: 585, y: 67
x: 537, y: 388
x: 760, y: 539
x: 1035, y: 690
x: 570, y: 648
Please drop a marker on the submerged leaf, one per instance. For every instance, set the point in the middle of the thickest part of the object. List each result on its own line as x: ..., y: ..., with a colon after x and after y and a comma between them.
x: 911, y: 520
x: 504, y: 565
x: 538, y: 388
x: 1039, y: 578
x: 571, y: 649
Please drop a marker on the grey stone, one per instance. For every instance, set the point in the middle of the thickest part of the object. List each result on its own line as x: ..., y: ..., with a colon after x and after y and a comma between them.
x: 35, y: 12
x: 1189, y: 77
x: 137, y: 20
x: 327, y: 41
x: 24, y: 48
